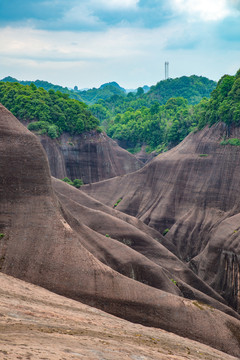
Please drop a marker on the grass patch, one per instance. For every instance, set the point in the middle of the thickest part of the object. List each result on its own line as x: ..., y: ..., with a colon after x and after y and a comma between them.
x: 203, y: 155
x: 117, y: 202
x: 174, y: 281
x: 165, y: 232
x: 233, y: 142
x: 1, y: 235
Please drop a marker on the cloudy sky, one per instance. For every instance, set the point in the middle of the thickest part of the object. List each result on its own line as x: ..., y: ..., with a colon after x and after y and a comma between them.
x: 90, y: 42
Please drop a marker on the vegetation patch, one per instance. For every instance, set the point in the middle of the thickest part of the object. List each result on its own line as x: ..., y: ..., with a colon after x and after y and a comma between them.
x: 198, y: 304
x: 77, y: 183
x: 174, y: 281
x: 233, y: 142
x: 165, y: 232
x: 117, y: 202
x: 203, y: 155
x: 1, y: 235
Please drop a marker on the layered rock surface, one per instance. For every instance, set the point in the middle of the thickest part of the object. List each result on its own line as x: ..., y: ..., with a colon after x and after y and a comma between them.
x: 69, y: 243
x: 38, y: 324
x: 91, y: 156
x: 192, y: 194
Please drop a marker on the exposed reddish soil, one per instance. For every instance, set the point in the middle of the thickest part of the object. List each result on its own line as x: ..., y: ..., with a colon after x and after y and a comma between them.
x: 36, y: 324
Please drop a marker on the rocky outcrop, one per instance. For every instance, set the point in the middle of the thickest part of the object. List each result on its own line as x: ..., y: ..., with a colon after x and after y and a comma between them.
x: 75, y: 246
x: 191, y: 193
x: 91, y: 156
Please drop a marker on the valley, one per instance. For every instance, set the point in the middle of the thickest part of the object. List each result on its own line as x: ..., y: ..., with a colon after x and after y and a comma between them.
x: 155, y: 244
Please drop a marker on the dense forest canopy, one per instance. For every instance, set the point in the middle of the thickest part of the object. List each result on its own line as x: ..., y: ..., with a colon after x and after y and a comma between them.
x: 149, y: 119
x: 159, y: 118
x: 50, y: 112
x: 224, y: 104
x: 159, y: 127
x: 192, y: 88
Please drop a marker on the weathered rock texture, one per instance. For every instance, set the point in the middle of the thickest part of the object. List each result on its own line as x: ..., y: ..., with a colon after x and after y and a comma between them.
x: 91, y: 157
x: 192, y: 190
x: 37, y: 324
x: 63, y: 240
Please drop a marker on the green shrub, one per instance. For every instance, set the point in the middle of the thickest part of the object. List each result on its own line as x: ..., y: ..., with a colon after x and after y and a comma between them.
x: 67, y: 180
x: 233, y: 142
x: 203, y: 155
x: 77, y: 183
x: 38, y: 125
x: 1, y: 235
x: 116, y: 204
x: 53, y: 131
x: 165, y: 231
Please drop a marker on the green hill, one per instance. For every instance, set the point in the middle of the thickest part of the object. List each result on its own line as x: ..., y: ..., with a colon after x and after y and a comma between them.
x: 193, y: 88
x: 50, y: 112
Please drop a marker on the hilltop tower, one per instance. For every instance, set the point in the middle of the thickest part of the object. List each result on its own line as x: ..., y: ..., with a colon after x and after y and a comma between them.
x: 166, y: 70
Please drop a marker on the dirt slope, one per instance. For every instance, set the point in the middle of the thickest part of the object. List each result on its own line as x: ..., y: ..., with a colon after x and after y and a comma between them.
x: 37, y: 324
x: 42, y: 242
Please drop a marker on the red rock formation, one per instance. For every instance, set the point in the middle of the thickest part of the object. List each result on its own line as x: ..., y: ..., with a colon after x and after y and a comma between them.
x: 192, y: 190
x: 90, y: 156
x: 49, y: 239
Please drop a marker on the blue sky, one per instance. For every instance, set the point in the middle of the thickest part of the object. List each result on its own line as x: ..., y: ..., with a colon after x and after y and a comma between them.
x: 90, y: 42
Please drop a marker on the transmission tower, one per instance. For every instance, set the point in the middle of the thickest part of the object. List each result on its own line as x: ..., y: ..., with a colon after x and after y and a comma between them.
x: 166, y: 70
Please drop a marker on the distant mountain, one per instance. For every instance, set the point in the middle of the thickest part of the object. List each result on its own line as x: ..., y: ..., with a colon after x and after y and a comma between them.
x: 89, y: 96
x: 104, y: 92
x: 145, y: 88
x: 193, y: 88
x: 114, y: 84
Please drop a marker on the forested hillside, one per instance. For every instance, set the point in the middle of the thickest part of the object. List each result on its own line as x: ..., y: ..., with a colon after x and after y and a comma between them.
x: 163, y: 126
x: 159, y: 119
x: 49, y: 112
x: 46, y: 86
x: 224, y: 104
x: 90, y: 96
x: 159, y: 126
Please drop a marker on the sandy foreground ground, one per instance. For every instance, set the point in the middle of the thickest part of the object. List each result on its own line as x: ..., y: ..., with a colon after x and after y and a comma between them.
x: 36, y: 324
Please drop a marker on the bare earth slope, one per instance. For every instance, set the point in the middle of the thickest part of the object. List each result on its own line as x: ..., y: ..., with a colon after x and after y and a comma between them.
x: 37, y: 324
x: 91, y: 157
x: 44, y: 242
x: 192, y: 191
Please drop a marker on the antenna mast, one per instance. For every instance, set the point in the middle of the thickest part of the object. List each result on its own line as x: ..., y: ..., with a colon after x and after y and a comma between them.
x: 166, y: 70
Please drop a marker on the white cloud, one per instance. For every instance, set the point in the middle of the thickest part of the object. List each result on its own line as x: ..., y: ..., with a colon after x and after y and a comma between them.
x: 206, y: 10
x: 117, y: 4
x: 71, y: 46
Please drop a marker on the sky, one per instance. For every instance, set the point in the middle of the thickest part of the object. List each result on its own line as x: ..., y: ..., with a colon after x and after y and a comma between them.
x: 86, y: 43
